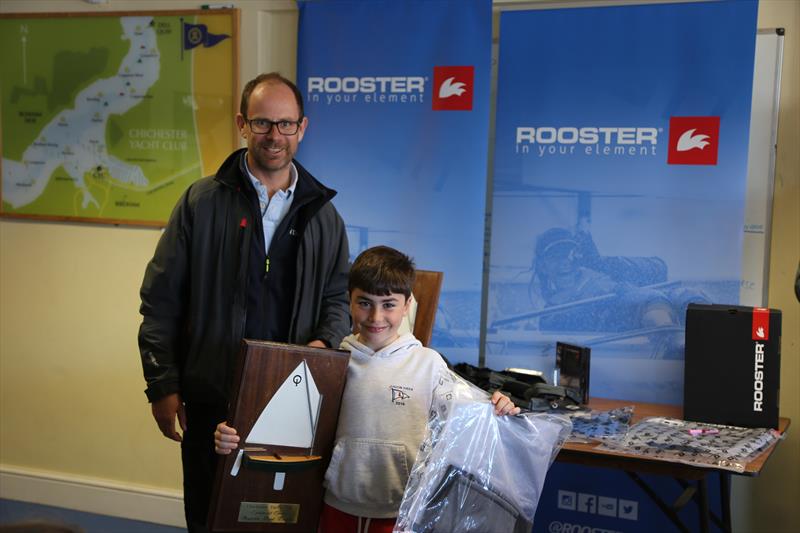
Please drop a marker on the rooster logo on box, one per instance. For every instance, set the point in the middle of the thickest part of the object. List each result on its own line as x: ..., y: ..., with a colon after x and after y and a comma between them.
x: 693, y: 140
x: 452, y: 88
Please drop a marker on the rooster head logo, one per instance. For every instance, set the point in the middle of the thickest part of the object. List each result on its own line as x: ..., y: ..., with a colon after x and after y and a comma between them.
x: 760, y: 324
x: 693, y: 141
x: 689, y: 141
x: 450, y: 87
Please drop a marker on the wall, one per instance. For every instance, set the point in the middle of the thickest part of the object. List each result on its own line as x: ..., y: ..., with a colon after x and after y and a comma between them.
x: 769, y: 502
x: 74, y: 422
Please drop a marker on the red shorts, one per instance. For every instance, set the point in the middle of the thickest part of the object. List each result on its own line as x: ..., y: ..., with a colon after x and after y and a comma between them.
x: 335, y: 521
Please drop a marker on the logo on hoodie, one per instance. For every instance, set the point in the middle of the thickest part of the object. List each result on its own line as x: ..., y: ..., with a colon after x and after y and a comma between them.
x: 400, y: 394
x: 693, y: 140
x: 452, y: 88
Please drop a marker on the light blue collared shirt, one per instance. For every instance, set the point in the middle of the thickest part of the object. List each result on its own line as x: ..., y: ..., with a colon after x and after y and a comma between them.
x: 273, y: 210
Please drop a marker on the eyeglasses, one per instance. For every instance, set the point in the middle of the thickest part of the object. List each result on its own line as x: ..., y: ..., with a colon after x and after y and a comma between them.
x: 264, y: 126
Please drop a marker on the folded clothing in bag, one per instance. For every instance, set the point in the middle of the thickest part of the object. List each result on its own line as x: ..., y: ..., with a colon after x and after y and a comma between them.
x: 488, y: 509
x: 477, y: 471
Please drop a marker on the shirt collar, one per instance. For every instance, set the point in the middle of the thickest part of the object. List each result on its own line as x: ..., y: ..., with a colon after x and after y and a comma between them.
x: 259, y: 186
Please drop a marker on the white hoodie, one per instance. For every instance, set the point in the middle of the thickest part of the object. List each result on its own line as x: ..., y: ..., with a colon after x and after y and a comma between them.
x: 384, y: 411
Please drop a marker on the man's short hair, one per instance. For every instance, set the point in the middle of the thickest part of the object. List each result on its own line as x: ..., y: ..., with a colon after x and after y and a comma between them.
x: 382, y: 270
x: 269, y: 77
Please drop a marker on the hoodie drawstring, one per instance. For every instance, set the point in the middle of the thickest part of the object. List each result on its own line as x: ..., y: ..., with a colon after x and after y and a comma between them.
x: 366, y: 525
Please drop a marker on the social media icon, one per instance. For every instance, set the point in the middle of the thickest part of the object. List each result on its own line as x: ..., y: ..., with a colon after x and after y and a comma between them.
x: 628, y: 509
x: 566, y: 500
x: 607, y: 506
x: 587, y: 503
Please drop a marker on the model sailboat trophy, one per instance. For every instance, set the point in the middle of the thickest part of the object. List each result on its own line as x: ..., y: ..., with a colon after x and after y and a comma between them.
x: 282, y: 423
x: 285, y: 405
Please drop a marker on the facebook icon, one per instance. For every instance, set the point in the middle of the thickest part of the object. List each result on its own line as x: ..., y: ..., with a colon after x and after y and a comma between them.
x: 587, y: 503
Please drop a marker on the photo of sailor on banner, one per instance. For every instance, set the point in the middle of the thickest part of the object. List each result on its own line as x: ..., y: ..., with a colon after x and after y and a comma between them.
x: 608, y: 298
x: 622, y: 300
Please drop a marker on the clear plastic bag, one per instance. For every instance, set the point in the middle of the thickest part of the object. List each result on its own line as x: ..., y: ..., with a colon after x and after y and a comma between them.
x: 694, y: 443
x: 476, y: 471
x: 588, y: 426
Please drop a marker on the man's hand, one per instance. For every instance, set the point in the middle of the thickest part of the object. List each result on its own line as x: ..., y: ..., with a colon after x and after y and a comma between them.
x: 317, y: 344
x: 164, y: 411
x: 225, y: 439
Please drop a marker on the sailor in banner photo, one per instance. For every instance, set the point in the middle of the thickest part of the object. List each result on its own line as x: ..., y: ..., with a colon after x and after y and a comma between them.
x: 387, y: 398
x: 589, y: 292
x: 237, y: 250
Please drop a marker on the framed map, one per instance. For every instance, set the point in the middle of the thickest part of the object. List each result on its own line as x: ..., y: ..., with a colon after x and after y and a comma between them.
x: 109, y: 117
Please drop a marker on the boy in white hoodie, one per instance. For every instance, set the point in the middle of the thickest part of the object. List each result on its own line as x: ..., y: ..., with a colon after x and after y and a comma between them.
x: 386, y: 400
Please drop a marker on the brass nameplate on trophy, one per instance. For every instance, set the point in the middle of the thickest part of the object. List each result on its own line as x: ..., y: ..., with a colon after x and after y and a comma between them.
x: 284, y: 406
x: 269, y: 513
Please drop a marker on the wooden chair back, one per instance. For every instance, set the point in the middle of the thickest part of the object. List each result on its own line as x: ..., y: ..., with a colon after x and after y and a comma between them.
x: 427, y: 287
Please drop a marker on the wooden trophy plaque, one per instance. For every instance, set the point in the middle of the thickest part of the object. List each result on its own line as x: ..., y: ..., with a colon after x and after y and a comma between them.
x: 284, y: 406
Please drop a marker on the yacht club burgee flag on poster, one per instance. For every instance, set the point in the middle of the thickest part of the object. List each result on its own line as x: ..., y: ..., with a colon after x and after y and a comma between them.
x: 397, y: 95
x: 619, y: 185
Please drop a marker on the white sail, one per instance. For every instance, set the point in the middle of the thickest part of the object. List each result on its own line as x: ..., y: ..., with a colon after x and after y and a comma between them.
x: 290, y: 417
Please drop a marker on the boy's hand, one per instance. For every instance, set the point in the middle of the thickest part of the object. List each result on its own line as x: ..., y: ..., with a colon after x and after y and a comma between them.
x: 225, y: 439
x: 503, y: 404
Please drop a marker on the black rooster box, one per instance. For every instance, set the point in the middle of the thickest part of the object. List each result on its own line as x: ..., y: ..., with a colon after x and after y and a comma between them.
x: 732, y: 365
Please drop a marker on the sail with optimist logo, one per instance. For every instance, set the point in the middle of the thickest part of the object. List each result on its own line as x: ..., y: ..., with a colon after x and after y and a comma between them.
x: 288, y: 420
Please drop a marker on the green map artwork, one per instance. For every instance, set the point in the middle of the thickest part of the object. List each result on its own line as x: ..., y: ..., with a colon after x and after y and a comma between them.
x: 108, y: 118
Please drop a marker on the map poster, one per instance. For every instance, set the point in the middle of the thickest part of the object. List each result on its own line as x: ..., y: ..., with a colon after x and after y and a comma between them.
x: 109, y: 117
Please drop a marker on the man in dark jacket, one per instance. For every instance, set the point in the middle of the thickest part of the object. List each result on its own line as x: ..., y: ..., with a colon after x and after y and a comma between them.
x: 255, y: 251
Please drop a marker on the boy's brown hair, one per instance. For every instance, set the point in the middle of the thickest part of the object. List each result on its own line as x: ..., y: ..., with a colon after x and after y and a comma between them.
x: 382, y: 270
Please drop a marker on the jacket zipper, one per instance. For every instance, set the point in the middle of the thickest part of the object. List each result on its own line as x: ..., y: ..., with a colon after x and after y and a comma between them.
x: 244, y: 254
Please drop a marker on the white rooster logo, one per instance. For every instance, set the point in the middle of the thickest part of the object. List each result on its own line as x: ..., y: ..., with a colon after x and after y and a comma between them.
x: 689, y: 141
x: 760, y: 332
x: 450, y: 87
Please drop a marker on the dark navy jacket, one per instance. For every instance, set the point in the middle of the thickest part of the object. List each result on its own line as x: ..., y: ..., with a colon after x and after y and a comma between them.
x: 195, y: 290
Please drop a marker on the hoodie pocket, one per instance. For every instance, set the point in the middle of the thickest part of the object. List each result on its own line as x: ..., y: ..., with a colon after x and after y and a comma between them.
x: 367, y: 471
